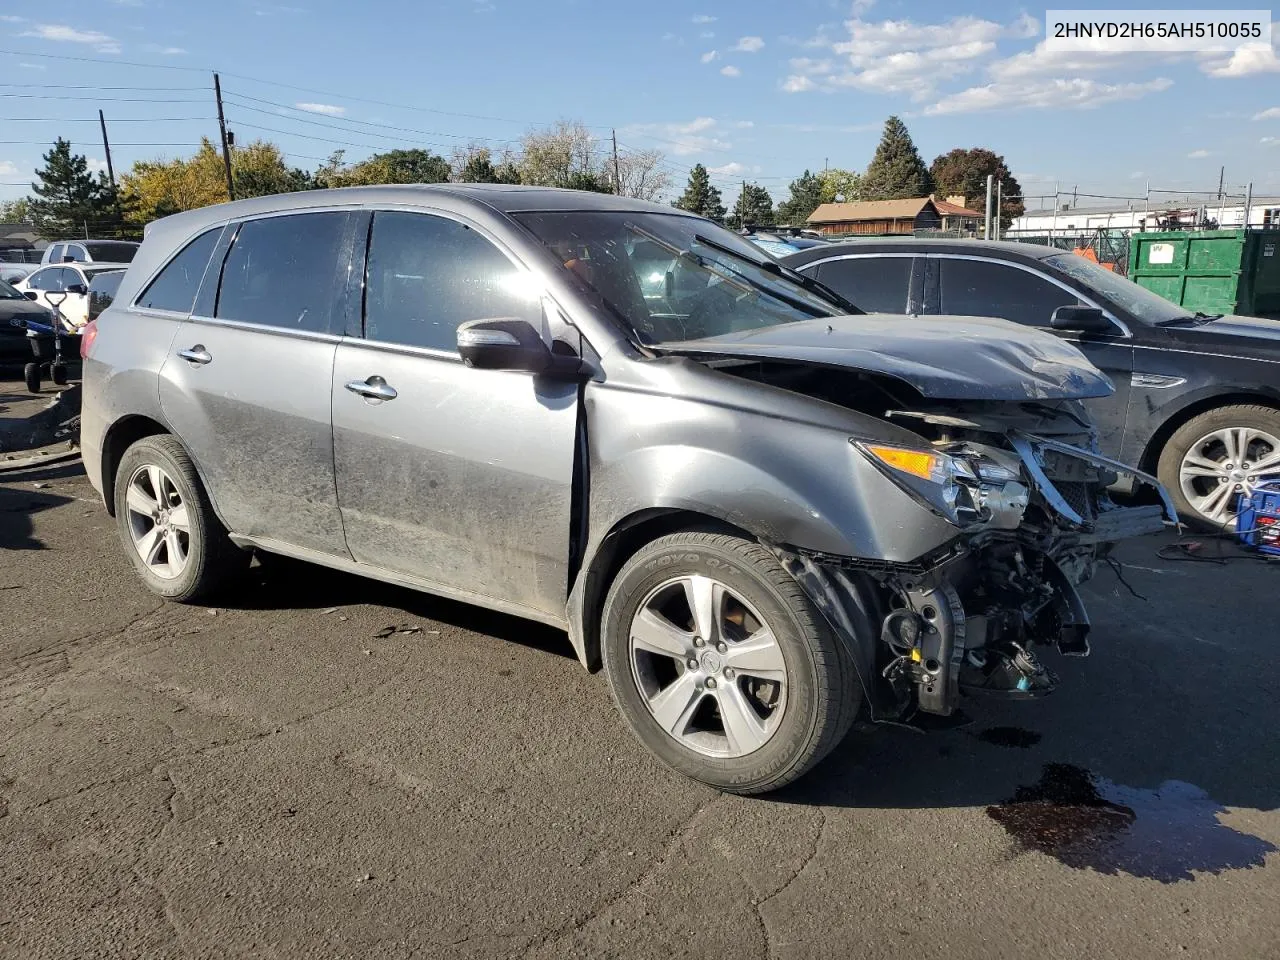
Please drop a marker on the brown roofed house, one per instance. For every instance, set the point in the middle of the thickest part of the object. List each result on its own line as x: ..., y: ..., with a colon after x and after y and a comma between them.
x: 879, y: 217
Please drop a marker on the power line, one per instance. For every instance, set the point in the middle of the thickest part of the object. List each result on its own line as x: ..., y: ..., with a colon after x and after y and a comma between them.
x: 40, y: 96
x: 364, y: 123
x: 95, y: 119
x: 94, y: 86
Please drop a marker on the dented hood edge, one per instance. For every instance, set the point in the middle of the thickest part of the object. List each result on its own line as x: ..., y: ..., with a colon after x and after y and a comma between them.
x: 944, y: 358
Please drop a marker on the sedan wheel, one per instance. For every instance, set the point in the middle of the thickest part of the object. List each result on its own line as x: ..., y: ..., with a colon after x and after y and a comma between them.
x: 1219, y: 457
x: 709, y: 668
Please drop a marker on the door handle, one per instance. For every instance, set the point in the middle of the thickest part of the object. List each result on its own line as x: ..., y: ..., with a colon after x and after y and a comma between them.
x: 196, y: 355
x: 374, y: 388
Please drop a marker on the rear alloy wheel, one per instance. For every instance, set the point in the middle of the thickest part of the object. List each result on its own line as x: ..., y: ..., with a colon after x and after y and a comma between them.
x: 175, y: 540
x: 722, y: 666
x: 1215, y: 459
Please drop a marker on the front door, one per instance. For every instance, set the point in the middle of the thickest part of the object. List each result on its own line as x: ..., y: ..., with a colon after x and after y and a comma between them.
x: 458, y: 477
x: 246, y: 384
x: 971, y: 286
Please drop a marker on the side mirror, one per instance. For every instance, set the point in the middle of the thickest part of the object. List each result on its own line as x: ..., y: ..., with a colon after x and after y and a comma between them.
x: 32, y: 294
x: 77, y: 288
x: 508, y: 343
x: 1080, y: 320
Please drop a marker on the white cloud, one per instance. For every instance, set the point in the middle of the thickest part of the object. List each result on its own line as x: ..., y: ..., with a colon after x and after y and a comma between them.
x: 328, y: 109
x: 9, y: 18
x: 703, y: 18
x: 709, y: 56
x: 744, y: 124
x: 1077, y: 93
x: 165, y: 51
x: 706, y: 34
x: 1198, y: 154
x: 96, y: 165
x: 749, y: 45
x: 699, y: 135
x: 1272, y: 113
x: 1270, y: 140
x: 731, y: 169
x: 731, y: 71
x: 8, y: 168
x: 902, y: 56
x: 797, y: 84
x: 61, y: 33
x: 862, y: 6
x: 1247, y: 59
x: 33, y: 66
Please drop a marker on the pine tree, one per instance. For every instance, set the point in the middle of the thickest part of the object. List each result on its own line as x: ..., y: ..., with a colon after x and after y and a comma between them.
x: 753, y: 209
x: 700, y: 196
x: 896, y: 171
x: 70, y: 201
x: 806, y: 196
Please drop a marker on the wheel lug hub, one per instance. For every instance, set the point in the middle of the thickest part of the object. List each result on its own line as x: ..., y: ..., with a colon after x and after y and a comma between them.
x: 698, y: 641
x: 711, y: 683
x: 721, y: 647
x: 693, y: 664
x: 728, y: 673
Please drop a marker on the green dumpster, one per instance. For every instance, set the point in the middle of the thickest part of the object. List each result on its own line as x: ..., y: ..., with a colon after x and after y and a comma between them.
x: 1211, y: 271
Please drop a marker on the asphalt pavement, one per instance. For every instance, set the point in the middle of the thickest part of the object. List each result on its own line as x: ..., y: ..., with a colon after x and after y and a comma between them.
x: 280, y: 777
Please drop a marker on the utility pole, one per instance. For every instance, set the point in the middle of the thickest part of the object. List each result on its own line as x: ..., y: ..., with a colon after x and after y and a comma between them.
x: 1248, y: 202
x: 617, y: 177
x: 106, y: 148
x: 222, y: 129
x: 986, y: 231
x: 995, y: 226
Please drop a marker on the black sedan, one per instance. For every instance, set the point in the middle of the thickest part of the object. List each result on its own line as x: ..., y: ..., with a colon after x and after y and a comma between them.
x: 15, y: 348
x: 1197, y: 397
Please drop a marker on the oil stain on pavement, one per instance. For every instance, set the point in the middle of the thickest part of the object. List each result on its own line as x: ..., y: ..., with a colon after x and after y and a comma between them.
x: 1090, y: 823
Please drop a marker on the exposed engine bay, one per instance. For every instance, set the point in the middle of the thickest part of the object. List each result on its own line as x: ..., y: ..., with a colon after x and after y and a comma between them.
x: 1026, y: 489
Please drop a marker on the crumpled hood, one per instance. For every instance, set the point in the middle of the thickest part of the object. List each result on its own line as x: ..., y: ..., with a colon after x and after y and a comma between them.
x: 945, y: 358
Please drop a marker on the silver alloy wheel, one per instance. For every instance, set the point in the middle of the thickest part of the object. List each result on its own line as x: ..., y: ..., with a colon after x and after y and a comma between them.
x: 158, y: 521
x: 1224, y: 465
x: 708, y: 667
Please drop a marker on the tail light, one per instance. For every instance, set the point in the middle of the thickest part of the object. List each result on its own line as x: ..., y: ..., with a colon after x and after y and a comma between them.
x: 88, y: 333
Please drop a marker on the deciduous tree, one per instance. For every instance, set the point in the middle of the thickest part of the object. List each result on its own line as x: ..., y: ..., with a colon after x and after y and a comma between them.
x: 964, y: 172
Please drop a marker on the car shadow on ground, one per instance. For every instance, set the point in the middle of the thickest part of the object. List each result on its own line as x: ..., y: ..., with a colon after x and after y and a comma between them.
x: 16, y: 510
x: 279, y: 583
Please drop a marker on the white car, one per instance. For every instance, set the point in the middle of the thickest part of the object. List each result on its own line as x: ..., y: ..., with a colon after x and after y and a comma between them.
x: 69, y: 284
x: 89, y: 251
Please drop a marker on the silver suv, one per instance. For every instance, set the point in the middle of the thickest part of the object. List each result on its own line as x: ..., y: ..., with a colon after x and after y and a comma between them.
x: 759, y: 509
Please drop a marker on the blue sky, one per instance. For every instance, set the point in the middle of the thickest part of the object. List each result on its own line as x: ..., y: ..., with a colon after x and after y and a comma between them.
x: 761, y: 90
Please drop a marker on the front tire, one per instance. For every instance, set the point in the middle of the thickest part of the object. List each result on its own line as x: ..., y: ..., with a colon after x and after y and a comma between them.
x: 1217, y: 457
x: 722, y: 666
x: 169, y: 530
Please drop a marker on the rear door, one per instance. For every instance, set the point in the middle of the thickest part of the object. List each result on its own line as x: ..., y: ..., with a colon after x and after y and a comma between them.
x: 875, y: 282
x: 246, y: 385
x: 456, y: 477
x: 982, y: 287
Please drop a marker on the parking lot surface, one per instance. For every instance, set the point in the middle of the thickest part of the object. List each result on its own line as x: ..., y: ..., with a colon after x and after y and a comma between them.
x: 281, y: 776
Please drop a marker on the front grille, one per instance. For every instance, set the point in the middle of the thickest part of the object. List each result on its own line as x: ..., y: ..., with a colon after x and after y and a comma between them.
x: 1080, y: 497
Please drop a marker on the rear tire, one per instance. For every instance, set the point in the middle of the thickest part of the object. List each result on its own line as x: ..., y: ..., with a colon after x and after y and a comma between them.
x: 167, y: 526
x: 746, y: 730
x: 58, y: 374
x: 31, y: 374
x: 1205, y: 459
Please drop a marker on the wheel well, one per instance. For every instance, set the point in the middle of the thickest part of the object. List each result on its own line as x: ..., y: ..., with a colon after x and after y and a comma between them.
x: 619, y: 545
x: 1151, y: 455
x: 123, y: 434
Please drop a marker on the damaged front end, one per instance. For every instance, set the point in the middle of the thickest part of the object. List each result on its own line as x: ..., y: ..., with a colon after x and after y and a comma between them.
x: 1033, y: 520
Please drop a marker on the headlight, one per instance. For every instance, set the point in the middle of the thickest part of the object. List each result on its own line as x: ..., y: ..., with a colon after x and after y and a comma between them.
x: 955, y: 487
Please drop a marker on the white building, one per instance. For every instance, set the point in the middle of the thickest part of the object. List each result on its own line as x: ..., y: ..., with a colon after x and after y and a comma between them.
x: 1135, y: 215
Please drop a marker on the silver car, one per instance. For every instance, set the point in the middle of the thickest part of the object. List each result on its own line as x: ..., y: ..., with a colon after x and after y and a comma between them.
x: 760, y: 510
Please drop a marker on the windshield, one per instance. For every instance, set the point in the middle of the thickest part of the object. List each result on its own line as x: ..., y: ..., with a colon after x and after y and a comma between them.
x: 671, y: 277
x: 9, y: 293
x: 112, y: 251
x: 1125, y: 294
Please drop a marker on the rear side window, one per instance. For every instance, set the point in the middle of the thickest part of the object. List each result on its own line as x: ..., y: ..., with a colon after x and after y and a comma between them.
x: 282, y: 272
x: 112, y: 251
x: 174, y: 288
x: 876, y: 284
x: 55, y: 252
x: 980, y: 288
x: 102, y: 290
x: 76, y: 252
x: 428, y: 274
